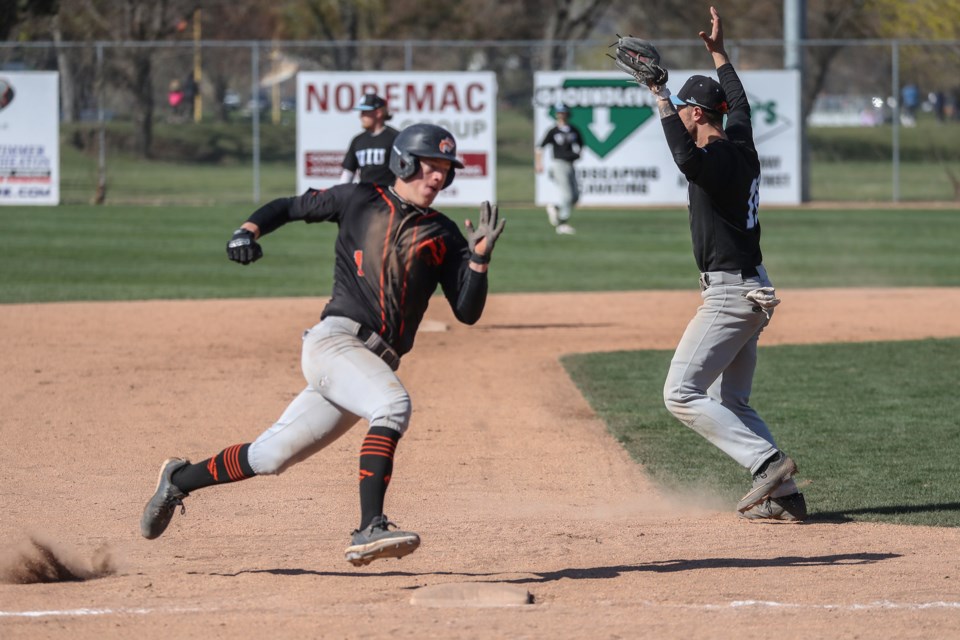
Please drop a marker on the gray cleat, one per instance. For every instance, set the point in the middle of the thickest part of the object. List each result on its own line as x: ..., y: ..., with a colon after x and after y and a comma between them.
x: 378, y: 541
x: 791, y: 508
x: 774, y: 472
x: 159, y: 510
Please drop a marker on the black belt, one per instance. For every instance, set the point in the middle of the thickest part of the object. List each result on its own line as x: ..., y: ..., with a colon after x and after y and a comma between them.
x: 749, y: 272
x: 379, y: 346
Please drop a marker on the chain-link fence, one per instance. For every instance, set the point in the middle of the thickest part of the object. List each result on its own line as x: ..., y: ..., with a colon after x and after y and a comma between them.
x: 215, y: 122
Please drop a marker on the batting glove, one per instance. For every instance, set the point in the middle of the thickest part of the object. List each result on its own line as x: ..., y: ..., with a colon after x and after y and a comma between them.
x: 243, y: 247
x: 482, y: 238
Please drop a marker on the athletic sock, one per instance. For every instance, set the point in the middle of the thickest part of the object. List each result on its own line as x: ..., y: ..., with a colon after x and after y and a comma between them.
x: 376, y: 465
x: 230, y: 465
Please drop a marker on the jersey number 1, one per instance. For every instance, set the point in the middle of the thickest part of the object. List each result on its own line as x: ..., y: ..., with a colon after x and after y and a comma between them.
x: 358, y: 260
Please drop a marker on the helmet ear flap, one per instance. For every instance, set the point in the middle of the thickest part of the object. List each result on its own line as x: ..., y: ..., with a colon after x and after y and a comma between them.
x: 403, y: 164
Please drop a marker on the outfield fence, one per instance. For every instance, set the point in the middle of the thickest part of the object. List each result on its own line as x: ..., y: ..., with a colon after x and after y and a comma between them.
x: 883, y: 121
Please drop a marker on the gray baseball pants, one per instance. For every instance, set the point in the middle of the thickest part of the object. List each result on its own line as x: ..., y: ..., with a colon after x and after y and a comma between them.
x: 711, y: 374
x: 346, y: 381
x: 565, y: 177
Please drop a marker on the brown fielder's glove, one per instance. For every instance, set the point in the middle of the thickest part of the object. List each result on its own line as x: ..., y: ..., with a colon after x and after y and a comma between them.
x: 641, y: 60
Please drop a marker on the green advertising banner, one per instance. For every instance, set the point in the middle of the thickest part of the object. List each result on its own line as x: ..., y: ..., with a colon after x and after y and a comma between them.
x: 625, y: 160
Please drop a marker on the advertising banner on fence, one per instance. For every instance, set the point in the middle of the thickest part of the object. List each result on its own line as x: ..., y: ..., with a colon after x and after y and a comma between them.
x: 29, y: 137
x: 463, y: 103
x: 626, y: 160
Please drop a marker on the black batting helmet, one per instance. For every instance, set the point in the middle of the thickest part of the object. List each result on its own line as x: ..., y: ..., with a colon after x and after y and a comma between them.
x: 423, y: 141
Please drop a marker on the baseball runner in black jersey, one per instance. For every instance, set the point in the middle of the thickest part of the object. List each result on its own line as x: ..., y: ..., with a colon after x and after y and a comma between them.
x: 392, y: 251
x: 565, y: 142
x: 368, y: 158
x: 711, y: 375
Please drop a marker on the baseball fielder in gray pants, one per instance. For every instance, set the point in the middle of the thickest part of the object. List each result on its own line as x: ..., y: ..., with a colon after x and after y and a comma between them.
x: 710, y: 379
x: 566, y: 143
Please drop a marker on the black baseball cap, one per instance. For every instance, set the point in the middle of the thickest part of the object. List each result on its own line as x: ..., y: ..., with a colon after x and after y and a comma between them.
x: 369, y: 102
x: 703, y: 92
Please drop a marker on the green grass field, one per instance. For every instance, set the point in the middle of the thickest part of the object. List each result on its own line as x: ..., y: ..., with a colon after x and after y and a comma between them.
x: 107, y: 253
x: 845, y: 411
x: 874, y: 426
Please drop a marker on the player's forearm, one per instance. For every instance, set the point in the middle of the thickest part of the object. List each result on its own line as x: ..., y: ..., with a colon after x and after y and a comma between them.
x: 720, y: 58
x: 682, y: 147
x: 739, y: 125
x: 271, y: 216
x: 472, y: 296
x: 665, y: 108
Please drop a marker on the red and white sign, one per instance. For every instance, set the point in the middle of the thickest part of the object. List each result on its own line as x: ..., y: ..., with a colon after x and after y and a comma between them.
x: 464, y: 103
x: 29, y: 137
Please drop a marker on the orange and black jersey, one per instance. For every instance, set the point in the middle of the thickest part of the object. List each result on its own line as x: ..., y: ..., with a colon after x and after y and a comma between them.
x: 390, y: 257
x: 724, y: 181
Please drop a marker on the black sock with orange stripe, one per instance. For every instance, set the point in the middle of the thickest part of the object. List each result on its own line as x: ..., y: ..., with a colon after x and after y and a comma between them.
x: 376, y: 465
x: 229, y: 465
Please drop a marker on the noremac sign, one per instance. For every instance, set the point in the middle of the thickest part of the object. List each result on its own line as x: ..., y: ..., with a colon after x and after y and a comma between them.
x: 463, y: 103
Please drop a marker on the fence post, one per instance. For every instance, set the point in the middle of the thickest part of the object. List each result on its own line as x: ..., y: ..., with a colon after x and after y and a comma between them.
x: 407, y: 55
x: 255, y: 117
x: 895, y: 62
x: 101, y: 193
x: 794, y: 33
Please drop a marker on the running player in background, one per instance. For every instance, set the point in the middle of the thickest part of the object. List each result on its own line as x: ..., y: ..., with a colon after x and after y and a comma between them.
x: 565, y: 142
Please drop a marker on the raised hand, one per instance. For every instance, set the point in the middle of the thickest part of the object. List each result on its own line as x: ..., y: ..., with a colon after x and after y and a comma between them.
x: 482, y: 238
x: 714, y: 41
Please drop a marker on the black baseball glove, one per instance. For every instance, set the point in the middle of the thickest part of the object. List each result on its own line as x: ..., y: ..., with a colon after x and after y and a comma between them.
x: 641, y: 60
x: 243, y: 247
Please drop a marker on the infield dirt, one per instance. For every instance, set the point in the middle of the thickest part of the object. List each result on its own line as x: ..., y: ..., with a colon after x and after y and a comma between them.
x: 506, y: 474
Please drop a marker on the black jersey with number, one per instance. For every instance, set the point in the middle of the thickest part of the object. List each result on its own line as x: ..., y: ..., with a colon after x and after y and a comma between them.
x: 370, y: 155
x: 566, y: 142
x: 724, y: 185
x: 390, y: 258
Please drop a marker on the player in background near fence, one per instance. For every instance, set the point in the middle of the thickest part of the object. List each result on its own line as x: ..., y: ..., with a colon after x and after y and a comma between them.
x: 711, y: 375
x: 369, y: 152
x: 392, y: 251
x: 911, y: 103
x: 565, y: 142
x: 175, y: 97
